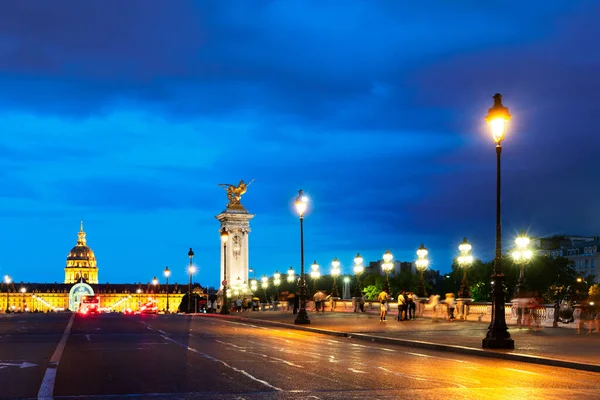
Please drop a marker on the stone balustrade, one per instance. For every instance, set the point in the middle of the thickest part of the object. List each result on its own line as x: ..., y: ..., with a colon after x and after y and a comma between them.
x: 467, y: 310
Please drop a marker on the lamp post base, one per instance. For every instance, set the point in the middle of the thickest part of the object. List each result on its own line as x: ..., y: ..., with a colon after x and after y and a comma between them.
x: 225, y: 310
x: 498, y: 343
x: 302, y: 318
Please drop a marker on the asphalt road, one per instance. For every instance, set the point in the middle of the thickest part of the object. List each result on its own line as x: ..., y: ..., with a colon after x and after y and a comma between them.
x: 166, y: 357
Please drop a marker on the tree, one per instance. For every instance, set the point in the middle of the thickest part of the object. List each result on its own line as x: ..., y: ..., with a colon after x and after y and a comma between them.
x: 195, y: 305
x: 372, y: 291
x: 594, y: 292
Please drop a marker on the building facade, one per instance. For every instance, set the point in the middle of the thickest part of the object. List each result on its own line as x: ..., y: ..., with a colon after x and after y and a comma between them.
x: 81, y: 279
x: 582, y: 251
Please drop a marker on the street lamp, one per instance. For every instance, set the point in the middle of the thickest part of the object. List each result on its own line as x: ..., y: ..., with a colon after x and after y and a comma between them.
x: 497, y: 336
x: 7, y: 281
x: 23, y: 291
x: 265, y: 285
x: 154, y: 283
x: 335, y: 272
x: 191, y: 270
x: 291, y: 275
x: 464, y: 261
x: 358, y: 270
x: 387, y: 267
x: 276, y: 283
x: 521, y: 256
x: 301, y: 204
x: 253, y: 286
x: 224, y: 239
x: 315, y: 274
x: 422, y: 263
x: 138, y: 291
x: 167, y: 273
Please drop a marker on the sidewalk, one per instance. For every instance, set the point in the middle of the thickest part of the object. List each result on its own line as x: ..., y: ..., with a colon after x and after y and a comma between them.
x: 544, y: 347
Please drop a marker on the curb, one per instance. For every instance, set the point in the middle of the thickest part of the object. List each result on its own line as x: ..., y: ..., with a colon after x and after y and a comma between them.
x: 553, y: 362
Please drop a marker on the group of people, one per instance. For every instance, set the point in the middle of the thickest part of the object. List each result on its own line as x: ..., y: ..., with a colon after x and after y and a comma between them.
x: 407, y: 306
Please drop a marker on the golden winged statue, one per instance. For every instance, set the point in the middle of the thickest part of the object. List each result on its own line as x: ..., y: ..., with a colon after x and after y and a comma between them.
x: 235, y: 193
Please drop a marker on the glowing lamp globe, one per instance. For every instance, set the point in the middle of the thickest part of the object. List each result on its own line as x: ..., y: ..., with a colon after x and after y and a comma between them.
x: 497, y: 118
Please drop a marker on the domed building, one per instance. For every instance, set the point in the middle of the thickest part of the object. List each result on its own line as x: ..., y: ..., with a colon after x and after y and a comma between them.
x: 81, y: 279
x: 81, y: 262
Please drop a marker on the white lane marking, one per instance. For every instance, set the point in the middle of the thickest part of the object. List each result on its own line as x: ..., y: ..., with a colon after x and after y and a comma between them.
x: 47, y: 388
x: 356, y: 371
x: 384, y: 349
x: 417, y: 354
x: 439, y: 358
x: 88, y: 338
x: 231, y: 344
x: 241, y: 371
x: 24, y: 364
x: 403, y: 375
x: 522, y: 371
x: 163, y: 332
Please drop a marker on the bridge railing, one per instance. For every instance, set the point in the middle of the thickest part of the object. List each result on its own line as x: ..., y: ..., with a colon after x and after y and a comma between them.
x: 543, y: 314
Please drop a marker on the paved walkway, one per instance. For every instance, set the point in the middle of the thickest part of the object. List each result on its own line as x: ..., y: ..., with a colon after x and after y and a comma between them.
x: 558, y: 343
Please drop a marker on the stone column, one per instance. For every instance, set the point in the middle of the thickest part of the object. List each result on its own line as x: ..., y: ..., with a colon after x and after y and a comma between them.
x: 236, y: 221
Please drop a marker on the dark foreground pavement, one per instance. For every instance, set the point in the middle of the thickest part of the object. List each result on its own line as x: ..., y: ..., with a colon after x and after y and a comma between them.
x: 172, y: 357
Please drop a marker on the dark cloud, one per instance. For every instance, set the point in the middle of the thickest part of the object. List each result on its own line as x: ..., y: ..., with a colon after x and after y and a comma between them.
x: 374, y: 108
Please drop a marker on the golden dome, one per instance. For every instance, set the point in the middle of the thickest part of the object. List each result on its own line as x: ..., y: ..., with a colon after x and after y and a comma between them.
x: 81, y: 255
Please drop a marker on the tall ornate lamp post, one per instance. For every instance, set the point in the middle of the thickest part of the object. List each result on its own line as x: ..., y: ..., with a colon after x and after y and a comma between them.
x: 167, y: 273
x: 139, y: 293
x: 265, y: 285
x: 422, y: 263
x: 315, y: 274
x: 154, y: 284
x: 224, y: 239
x: 301, y: 204
x: 497, y: 336
x: 387, y: 267
x: 7, y: 281
x: 191, y: 270
x: 23, y: 303
x: 276, y: 283
x: 521, y: 256
x: 358, y: 270
x: 291, y: 275
x: 335, y: 272
x: 464, y: 261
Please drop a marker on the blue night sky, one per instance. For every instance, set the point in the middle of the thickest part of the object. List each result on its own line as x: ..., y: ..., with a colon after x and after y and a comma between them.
x: 127, y: 115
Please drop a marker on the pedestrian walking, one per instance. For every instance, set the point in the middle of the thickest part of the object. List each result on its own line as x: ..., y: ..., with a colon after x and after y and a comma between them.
x: 586, y: 316
x: 412, y: 304
x: 361, y: 303
x: 401, y: 307
x: 451, y: 305
x: 434, y: 301
x: 383, y: 299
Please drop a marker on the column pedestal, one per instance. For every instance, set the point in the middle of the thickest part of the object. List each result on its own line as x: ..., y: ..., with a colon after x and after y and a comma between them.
x: 236, y: 221
x: 461, y: 305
